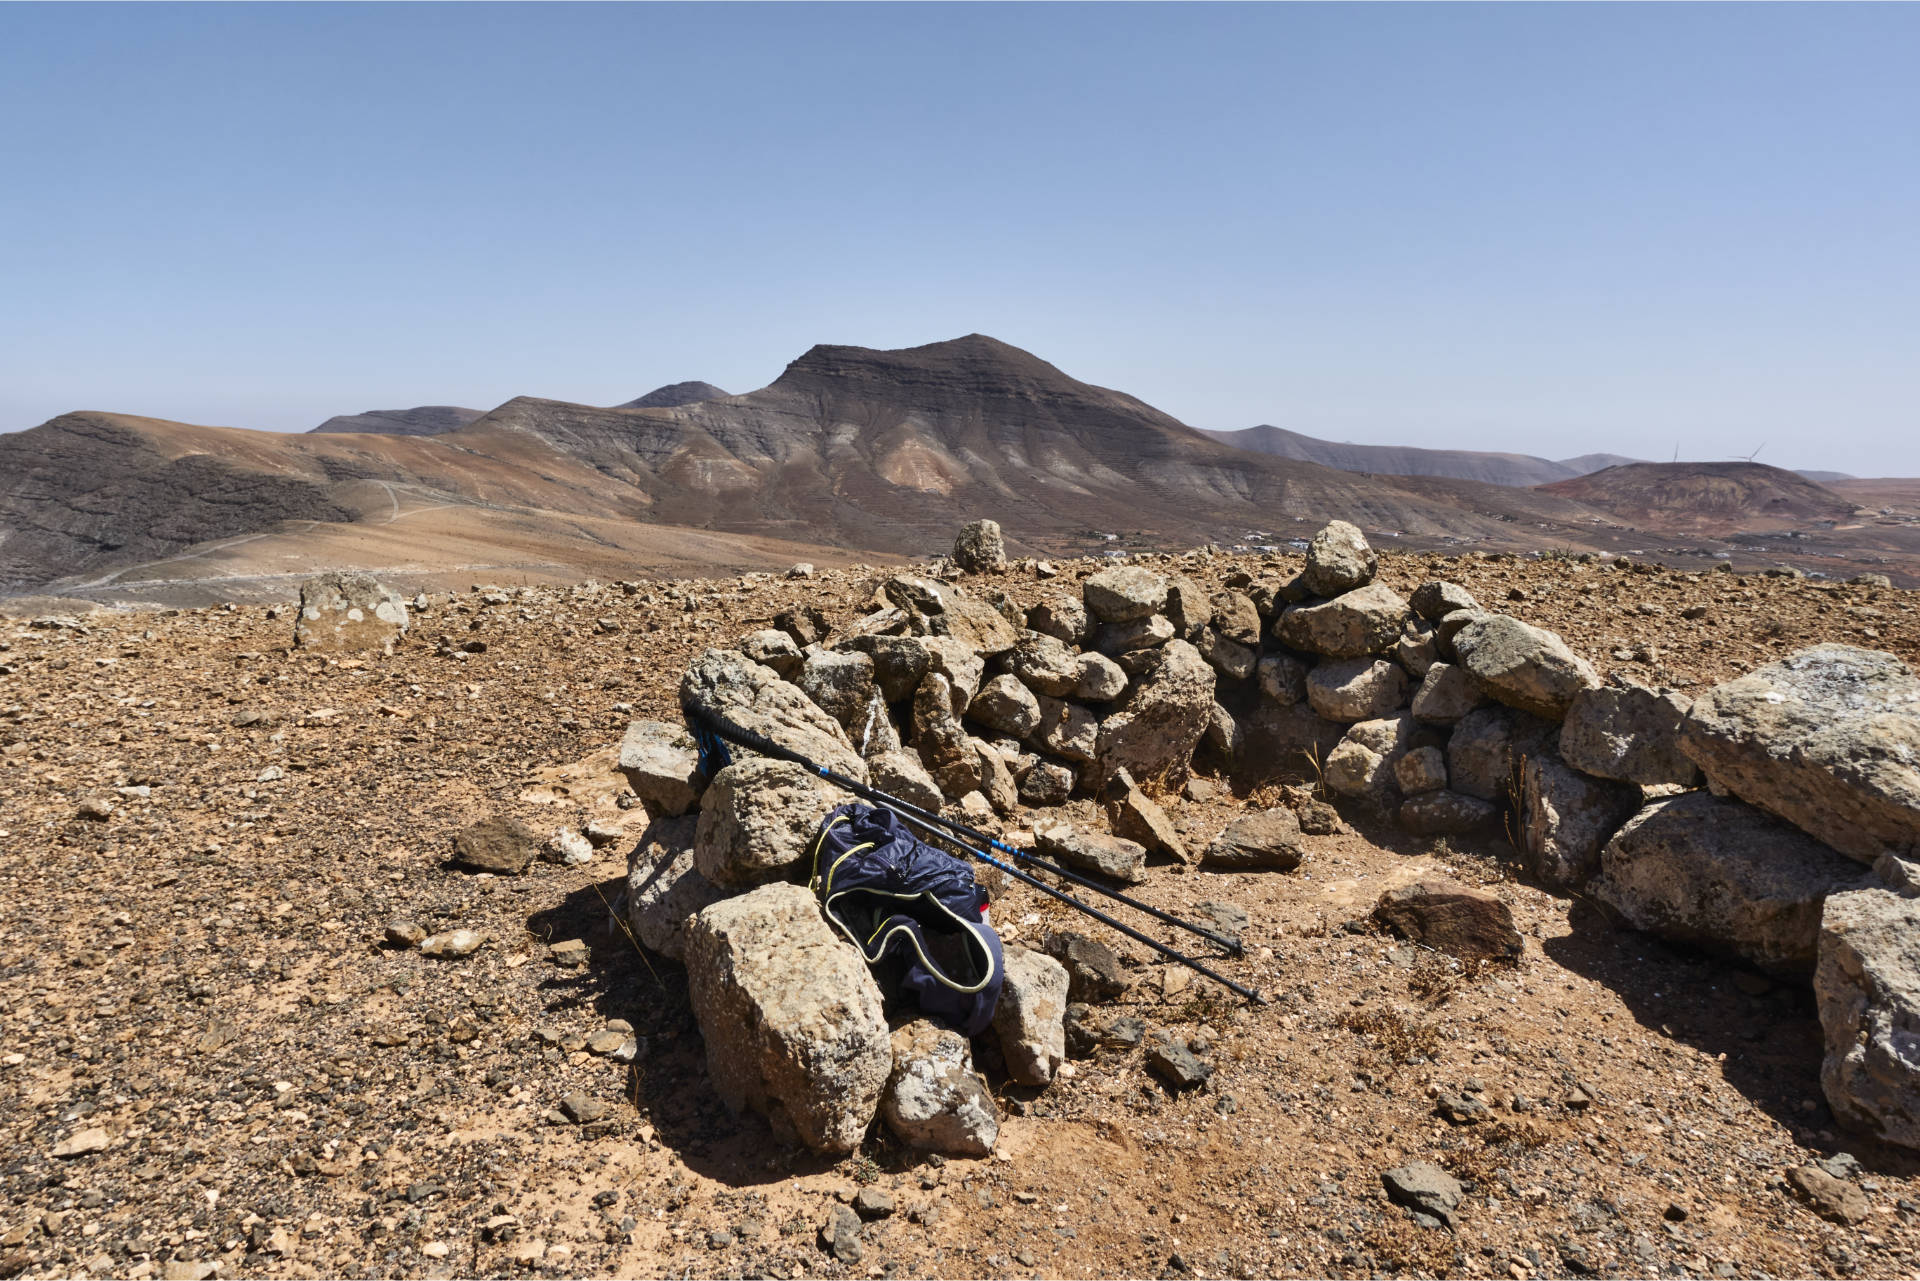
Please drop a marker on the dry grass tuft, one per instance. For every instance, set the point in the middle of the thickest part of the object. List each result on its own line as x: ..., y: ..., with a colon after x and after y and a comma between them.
x: 1393, y: 1035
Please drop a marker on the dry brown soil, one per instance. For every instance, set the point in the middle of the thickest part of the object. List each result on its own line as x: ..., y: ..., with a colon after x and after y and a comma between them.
x: 200, y: 976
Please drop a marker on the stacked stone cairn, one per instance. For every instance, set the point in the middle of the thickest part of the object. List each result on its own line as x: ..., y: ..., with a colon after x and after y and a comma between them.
x: 1774, y: 820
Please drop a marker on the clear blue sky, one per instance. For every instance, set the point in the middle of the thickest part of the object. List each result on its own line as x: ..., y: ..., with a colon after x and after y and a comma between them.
x: 1541, y: 228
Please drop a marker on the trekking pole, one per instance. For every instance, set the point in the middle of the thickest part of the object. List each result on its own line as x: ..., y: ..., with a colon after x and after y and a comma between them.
x: 933, y: 825
x: 767, y: 747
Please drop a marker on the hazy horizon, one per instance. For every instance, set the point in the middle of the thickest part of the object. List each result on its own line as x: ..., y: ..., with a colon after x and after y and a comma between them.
x: 1543, y: 230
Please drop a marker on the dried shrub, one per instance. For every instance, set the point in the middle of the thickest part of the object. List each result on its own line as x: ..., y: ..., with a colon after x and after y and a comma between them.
x: 1393, y: 1035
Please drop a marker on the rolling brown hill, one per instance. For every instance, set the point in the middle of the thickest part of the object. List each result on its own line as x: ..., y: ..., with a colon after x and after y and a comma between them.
x: 422, y: 420
x: 1405, y: 460
x: 1708, y: 497
x: 850, y: 448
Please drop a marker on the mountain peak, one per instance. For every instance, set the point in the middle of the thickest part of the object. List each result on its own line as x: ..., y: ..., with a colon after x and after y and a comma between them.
x: 667, y: 397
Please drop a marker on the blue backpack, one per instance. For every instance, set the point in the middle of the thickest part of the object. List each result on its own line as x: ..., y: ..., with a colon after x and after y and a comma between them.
x: 908, y: 906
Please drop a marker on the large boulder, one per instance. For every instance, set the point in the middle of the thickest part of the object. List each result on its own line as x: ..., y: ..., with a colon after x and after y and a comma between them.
x: 1031, y: 1018
x: 727, y: 684
x: 1485, y: 745
x: 774, y: 647
x: 1160, y: 719
x: 665, y: 889
x: 979, y: 547
x: 1356, y: 689
x: 1098, y: 679
x: 1446, y: 694
x: 662, y: 765
x: 961, y: 664
x: 1118, y: 640
x: 1124, y: 593
x: 348, y: 613
x: 1229, y: 657
x: 934, y: 1100
x: 1188, y: 608
x: 1366, y: 620
x: 1418, y: 648
x: 1827, y: 738
x: 1137, y: 817
x: 1004, y: 704
x: 1629, y: 732
x: 1721, y: 875
x: 793, y: 1021
x: 1360, y: 766
x: 1867, y: 984
x: 1566, y: 818
x: 1235, y: 618
x: 1522, y: 665
x: 1282, y: 677
x: 1339, y: 560
x: 757, y: 820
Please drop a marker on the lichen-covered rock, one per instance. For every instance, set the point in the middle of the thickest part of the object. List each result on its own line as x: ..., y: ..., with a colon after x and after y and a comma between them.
x: 1360, y: 766
x: 1030, y: 1019
x: 1229, y: 657
x: 1046, y: 783
x: 348, y: 613
x: 1188, y: 608
x: 792, y: 1018
x: 900, y: 663
x: 1522, y: 665
x: 941, y: 609
x: 1282, y: 677
x: 1124, y: 593
x: 1110, y: 856
x: 1160, y: 719
x: 1005, y: 704
x: 901, y: 774
x: 1424, y: 769
x: 1067, y: 730
x: 1366, y: 620
x: 1356, y: 689
x: 963, y: 667
x: 1266, y: 838
x: 1445, y: 695
x: 774, y: 648
x: 842, y: 685
x: 1045, y: 665
x: 979, y: 547
x: 501, y: 845
x: 1444, y: 813
x: 934, y: 1101
x: 1867, y: 984
x: 1118, y: 639
x: 945, y: 748
x: 1064, y: 618
x: 1434, y: 599
x: 665, y: 889
x: 996, y: 778
x: 1418, y: 648
x: 1722, y: 875
x: 662, y: 766
x: 1485, y: 746
x: 725, y: 683
x: 1094, y: 972
x: 1628, y: 732
x: 757, y: 819
x: 1098, y: 679
x: 1566, y: 818
x: 1235, y: 618
x: 1339, y: 560
x: 1827, y: 738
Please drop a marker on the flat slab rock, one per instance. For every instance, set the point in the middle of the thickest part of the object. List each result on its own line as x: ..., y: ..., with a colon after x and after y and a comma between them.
x: 662, y: 766
x: 1112, y: 856
x: 1269, y: 838
x: 1867, y: 985
x: 347, y: 613
x: 1827, y: 738
x: 1451, y: 918
x: 1722, y: 875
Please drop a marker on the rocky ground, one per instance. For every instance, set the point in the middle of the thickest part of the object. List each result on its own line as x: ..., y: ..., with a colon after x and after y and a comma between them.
x: 213, y: 1064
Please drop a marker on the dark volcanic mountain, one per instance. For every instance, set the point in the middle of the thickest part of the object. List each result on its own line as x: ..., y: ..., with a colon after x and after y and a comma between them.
x: 883, y: 451
x: 423, y: 420
x: 1398, y: 460
x: 675, y: 394
x: 1706, y: 496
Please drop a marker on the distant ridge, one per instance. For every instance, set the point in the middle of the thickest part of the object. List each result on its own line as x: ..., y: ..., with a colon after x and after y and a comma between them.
x: 673, y: 394
x: 423, y: 420
x: 1519, y: 470
x: 1706, y: 495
